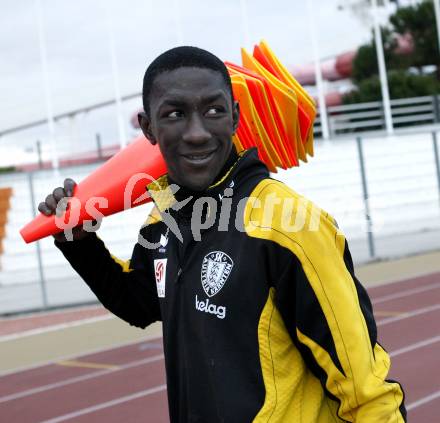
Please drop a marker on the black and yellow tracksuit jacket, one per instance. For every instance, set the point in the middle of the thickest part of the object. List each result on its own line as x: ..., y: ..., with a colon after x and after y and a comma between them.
x: 263, y: 319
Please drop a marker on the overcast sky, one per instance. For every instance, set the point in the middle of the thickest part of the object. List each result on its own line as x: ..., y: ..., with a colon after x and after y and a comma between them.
x: 78, y: 49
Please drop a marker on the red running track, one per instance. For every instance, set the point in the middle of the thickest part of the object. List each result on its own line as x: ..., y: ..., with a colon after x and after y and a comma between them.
x: 128, y: 383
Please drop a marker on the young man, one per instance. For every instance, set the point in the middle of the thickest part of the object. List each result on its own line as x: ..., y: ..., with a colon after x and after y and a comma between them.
x: 263, y: 317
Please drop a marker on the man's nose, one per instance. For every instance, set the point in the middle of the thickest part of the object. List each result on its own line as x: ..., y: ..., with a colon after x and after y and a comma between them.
x: 195, y: 131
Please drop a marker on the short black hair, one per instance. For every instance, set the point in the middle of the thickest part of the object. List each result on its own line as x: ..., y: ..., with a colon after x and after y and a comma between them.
x: 179, y: 57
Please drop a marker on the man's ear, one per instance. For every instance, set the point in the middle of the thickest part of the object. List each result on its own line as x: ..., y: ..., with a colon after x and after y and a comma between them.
x: 235, y: 115
x: 145, y: 124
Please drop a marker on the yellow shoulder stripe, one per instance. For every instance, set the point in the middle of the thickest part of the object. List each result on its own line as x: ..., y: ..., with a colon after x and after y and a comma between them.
x: 153, y: 217
x: 125, y: 264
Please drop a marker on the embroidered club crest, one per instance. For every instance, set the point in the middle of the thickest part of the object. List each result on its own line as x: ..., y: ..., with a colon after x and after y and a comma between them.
x: 216, y: 267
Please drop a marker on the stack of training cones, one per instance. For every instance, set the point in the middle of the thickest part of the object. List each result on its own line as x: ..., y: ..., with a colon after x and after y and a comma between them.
x: 276, y: 113
x: 121, y: 181
x: 276, y: 116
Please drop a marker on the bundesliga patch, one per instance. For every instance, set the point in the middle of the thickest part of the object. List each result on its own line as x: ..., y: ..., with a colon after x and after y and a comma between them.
x: 160, y: 271
x: 216, y: 267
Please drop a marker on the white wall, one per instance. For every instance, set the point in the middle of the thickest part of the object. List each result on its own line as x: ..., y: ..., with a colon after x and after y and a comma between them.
x: 404, y: 201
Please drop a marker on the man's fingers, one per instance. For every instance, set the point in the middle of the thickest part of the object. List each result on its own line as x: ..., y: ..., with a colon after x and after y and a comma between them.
x: 61, y: 199
x: 58, y: 194
x: 57, y: 202
x: 51, y: 203
x: 69, y: 186
x: 62, y: 206
x: 42, y: 207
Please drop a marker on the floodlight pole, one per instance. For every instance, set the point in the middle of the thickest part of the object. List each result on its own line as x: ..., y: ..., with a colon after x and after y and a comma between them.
x: 46, y: 82
x: 115, y: 76
x: 382, y: 70
x: 437, y: 19
x: 245, y: 23
x: 318, y: 72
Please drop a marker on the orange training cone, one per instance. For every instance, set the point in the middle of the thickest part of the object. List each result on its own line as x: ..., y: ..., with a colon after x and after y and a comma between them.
x: 118, y: 184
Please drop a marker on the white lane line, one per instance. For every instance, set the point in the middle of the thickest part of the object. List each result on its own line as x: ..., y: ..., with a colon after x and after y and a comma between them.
x: 70, y: 381
x: 75, y: 356
x: 409, y: 314
x: 403, y: 279
x: 107, y: 404
x: 50, y: 313
x: 423, y: 401
x: 406, y: 293
x: 415, y: 346
x: 53, y: 328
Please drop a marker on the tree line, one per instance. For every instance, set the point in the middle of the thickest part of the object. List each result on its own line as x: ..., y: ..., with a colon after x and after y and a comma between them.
x: 415, y: 73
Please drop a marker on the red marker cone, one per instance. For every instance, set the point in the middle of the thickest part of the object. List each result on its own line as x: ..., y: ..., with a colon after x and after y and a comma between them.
x: 118, y: 184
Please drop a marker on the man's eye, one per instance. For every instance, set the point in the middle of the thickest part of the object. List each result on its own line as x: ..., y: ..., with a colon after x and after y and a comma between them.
x: 174, y: 114
x: 214, y: 111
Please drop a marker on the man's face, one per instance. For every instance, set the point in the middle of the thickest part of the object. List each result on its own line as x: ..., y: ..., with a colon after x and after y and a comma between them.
x: 193, y: 119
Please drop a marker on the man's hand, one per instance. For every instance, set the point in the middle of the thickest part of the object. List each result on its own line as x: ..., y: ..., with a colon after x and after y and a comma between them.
x: 56, y: 203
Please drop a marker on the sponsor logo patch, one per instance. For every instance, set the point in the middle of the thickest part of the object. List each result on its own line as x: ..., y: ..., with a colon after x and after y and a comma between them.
x: 160, y: 272
x: 216, y: 268
x: 218, y: 311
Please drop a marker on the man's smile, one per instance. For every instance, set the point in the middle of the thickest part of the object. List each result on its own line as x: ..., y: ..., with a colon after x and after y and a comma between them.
x: 199, y: 158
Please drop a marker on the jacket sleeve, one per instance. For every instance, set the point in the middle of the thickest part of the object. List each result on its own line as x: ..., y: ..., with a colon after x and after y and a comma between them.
x: 323, y: 306
x: 126, y: 288
x: 329, y: 316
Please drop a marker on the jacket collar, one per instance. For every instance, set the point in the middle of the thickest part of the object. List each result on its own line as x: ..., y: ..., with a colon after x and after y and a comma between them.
x: 166, y: 197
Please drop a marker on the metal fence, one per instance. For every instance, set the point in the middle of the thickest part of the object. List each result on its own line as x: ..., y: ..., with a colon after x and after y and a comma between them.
x: 383, y: 191
x: 356, y: 118
x: 36, y: 276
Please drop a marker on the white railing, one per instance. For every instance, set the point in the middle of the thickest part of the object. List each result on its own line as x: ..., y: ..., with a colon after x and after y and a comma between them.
x: 362, y: 117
